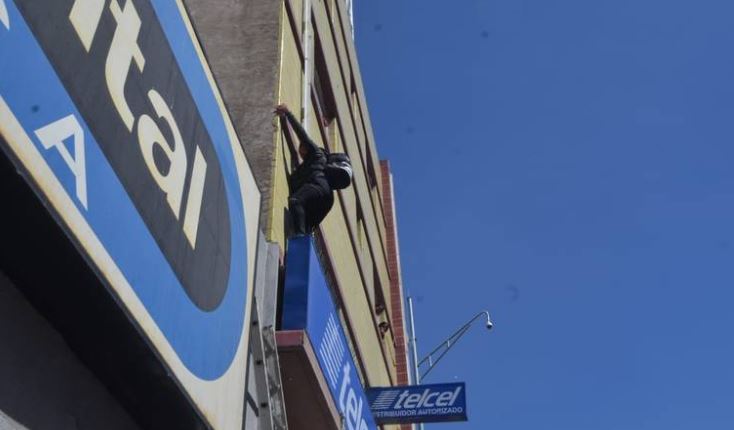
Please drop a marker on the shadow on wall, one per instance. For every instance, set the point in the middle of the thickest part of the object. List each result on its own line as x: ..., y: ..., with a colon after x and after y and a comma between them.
x: 44, y: 386
x: 69, y: 356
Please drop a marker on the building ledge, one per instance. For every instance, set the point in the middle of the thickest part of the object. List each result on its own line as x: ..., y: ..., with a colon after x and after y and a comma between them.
x: 308, y: 402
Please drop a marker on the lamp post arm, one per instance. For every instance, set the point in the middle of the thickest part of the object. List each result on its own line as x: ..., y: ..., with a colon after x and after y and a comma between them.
x: 447, y: 344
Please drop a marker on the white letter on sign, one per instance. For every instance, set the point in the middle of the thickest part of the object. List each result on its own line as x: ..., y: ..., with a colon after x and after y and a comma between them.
x: 196, y: 194
x: 149, y: 135
x: 53, y: 135
x: 85, y: 16
x: 123, y: 50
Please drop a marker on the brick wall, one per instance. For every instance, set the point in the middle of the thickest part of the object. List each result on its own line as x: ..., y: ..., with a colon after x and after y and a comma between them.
x: 393, y: 258
x: 396, y: 285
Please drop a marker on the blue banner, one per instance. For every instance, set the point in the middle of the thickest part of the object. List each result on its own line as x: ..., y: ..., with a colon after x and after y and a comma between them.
x: 308, y: 305
x: 107, y: 106
x: 418, y: 403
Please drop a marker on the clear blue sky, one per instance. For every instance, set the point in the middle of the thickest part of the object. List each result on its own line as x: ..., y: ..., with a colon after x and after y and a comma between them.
x: 568, y: 165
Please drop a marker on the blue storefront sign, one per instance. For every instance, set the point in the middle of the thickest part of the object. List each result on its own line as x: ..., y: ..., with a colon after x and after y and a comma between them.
x: 308, y: 305
x: 108, y: 107
x: 418, y: 403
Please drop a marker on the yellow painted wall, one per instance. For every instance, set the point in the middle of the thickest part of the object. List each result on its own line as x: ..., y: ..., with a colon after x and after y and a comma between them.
x: 357, y: 249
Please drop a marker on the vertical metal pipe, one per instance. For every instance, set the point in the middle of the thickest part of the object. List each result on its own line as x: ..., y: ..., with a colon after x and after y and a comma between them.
x: 308, y: 63
x: 414, y: 347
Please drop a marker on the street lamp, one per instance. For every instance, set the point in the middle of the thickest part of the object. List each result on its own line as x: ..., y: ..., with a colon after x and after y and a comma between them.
x: 443, y: 348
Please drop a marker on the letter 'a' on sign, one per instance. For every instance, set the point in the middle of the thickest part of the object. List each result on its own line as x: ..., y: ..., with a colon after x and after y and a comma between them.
x: 54, y: 135
x: 150, y: 136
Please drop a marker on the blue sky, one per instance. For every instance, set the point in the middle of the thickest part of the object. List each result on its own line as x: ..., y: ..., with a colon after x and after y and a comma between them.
x: 568, y: 165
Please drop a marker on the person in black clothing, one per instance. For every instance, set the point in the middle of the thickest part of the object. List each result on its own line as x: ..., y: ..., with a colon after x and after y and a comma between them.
x: 311, y: 196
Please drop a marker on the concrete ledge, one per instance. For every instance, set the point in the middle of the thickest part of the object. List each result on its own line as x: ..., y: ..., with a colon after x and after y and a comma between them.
x: 308, y: 401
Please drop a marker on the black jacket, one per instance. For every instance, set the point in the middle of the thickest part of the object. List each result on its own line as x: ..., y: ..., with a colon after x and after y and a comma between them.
x: 311, y: 171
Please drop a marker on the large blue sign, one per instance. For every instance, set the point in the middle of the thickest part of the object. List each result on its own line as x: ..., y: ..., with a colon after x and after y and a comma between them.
x: 418, y: 403
x: 308, y: 305
x: 109, y: 110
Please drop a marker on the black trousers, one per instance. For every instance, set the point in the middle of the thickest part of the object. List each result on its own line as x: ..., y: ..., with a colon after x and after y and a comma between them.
x: 308, y: 206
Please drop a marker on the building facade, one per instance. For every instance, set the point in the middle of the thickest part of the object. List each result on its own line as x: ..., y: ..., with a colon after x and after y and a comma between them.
x: 301, y: 53
x: 178, y: 303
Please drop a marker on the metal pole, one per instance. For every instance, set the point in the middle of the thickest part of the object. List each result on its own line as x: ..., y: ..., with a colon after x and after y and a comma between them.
x: 308, y: 63
x: 414, y: 347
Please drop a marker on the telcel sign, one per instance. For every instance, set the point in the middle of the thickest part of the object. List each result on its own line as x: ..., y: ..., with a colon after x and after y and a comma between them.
x: 307, y: 305
x: 418, y: 403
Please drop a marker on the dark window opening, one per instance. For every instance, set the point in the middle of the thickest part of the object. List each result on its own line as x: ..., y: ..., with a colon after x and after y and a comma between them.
x: 325, y: 101
x: 371, y: 174
x: 380, y: 305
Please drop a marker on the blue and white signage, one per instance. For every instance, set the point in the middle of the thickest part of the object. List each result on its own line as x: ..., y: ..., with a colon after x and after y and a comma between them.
x: 110, y: 110
x: 418, y: 403
x: 308, y: 305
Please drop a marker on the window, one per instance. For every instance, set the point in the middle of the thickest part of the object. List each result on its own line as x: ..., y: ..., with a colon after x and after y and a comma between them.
x: 383, y: 322
x: 361, y: 234
x: 353, y: 92
x: 380, y: 305
x: 325, y: 102
x: 371, y: 175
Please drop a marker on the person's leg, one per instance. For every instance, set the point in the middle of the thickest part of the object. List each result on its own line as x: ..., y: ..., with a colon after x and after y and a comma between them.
x: 320, y: 208
x: 298, y: 215
x: 298, y: 203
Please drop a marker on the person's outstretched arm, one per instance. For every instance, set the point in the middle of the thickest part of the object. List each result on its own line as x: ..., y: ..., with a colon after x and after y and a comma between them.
x: 297, y: 127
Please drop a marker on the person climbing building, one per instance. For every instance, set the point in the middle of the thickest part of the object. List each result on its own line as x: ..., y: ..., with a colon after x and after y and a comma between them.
x: 311, y: 196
